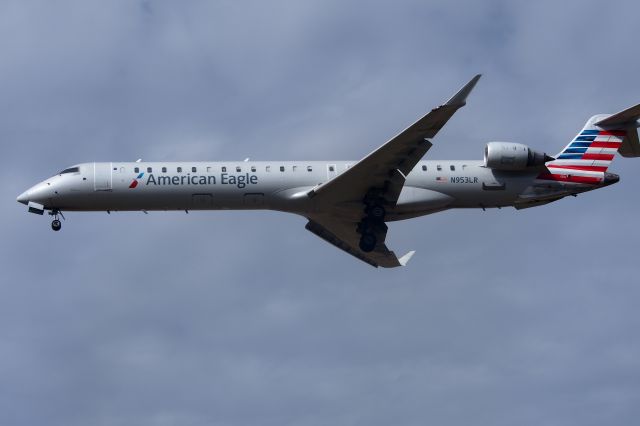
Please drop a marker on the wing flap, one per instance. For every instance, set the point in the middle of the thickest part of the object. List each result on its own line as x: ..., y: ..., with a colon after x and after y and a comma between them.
x: 343, y: 235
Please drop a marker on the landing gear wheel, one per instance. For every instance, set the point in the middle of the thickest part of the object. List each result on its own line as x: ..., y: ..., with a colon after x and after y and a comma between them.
x: 56, y: 224
x: 368, y: 242
x: 377, y: 212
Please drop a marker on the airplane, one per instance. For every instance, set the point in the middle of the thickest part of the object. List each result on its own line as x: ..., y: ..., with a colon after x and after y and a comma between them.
x: 348, y: 203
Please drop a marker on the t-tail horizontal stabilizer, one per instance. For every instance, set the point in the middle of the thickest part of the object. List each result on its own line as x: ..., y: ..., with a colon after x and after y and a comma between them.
x: 626, y: 120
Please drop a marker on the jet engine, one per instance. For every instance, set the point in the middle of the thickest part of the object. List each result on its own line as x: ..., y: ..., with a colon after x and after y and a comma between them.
x: 513, y: 156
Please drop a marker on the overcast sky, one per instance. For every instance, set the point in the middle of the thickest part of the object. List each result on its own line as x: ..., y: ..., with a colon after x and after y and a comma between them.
x: 502, y: 317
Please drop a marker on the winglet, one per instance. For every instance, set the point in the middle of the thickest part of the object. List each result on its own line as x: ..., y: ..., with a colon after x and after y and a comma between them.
x: 406, y: 258
x: 460, y: 98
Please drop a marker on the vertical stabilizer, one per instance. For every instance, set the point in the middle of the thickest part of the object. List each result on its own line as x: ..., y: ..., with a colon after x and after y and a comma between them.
x: 588, y: 156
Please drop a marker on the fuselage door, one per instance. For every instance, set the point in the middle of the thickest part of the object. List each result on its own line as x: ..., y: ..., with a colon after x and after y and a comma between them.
x: 102, y: 177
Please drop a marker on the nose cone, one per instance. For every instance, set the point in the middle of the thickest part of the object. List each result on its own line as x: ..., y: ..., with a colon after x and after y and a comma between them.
x: 39, y: 193
x: 23, y: 198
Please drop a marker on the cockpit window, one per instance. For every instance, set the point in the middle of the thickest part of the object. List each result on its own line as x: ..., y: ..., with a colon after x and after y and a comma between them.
x: 70, y: 170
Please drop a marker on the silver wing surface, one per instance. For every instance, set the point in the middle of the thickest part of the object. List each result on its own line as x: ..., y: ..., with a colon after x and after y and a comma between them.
x: 379, y: 176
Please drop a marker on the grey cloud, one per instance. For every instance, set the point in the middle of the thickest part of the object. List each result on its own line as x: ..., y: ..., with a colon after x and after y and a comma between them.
x: 502, y: 317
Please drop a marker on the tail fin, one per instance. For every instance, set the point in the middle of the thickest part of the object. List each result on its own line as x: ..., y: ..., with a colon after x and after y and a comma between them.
x: 589, y: 154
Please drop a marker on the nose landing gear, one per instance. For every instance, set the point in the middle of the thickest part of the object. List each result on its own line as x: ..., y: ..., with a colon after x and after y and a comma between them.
x: 56, y: 225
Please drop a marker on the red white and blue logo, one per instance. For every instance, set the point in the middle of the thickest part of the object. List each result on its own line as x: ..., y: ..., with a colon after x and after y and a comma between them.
x: 134, y: 183
x: 586, y: 158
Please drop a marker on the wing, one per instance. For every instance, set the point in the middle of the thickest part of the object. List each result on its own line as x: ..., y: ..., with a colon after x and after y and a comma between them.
x: 385, y: 169
x: 344, y: 235
x: 377, y: 180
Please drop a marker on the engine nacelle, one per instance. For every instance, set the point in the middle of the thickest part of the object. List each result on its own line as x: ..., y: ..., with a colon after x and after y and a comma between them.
x: 513, y: 156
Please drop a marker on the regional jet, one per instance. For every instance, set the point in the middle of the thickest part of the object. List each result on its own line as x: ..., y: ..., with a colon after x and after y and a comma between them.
x: 349, y: 203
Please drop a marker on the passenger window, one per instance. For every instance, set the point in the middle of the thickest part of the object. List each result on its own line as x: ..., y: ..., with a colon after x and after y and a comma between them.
x: 424, y: 168
x: 179, y: 169
x: 253, y: 168
x: 309, y: 168
x: 238, y: 169
x: 332, y: 169
x: 453, y: 168
x: 149, y: 170
x: 193, y: 169
x: 439, y: 167
x: 137, y: 170
x: 164, y: 170
x: 282, y: 168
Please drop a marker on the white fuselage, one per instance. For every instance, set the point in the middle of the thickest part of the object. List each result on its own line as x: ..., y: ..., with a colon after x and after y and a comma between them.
x: 275, y: 185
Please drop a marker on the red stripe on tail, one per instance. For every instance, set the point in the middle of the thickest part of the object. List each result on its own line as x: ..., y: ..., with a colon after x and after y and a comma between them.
x: 605, y: 145
x: 584, y: 168
x: 570, y: 178
x: 613, y: 133
x: 605, y: 157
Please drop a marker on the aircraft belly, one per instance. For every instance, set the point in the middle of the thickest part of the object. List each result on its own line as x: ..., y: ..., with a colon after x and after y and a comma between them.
x: 480, y: 187
x: 119, y: 200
